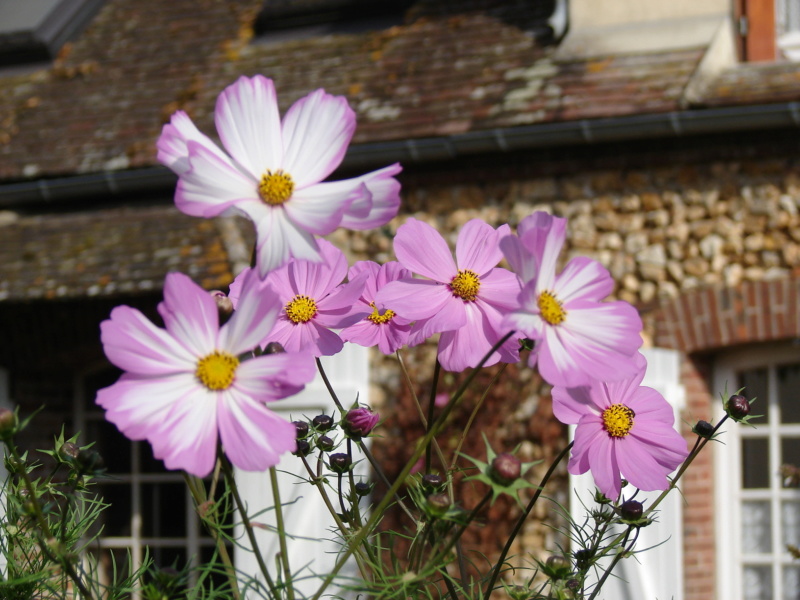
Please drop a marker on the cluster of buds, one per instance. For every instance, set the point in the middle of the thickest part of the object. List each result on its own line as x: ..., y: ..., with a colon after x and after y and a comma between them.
x: 357, y: 423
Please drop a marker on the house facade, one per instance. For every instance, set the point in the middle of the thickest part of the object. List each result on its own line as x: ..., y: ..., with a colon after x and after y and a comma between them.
x: 667, y: 133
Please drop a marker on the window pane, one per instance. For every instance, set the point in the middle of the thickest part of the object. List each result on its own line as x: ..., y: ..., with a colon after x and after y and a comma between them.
x: 755, y: 463
x: 168, y: 557
x: 756, y: 536
x: 757, y: 583
x: 755, y: 383
x: 790, y: 523
x: 111, y: 444
x: 117, y: 517
x: 791, y: 583
x: 788, y: 384
x: 790, y: 451
x: 163, y: 510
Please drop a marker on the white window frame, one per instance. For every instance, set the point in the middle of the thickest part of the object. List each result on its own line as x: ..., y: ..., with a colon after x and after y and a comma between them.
x: 658, y: 572
x: 728, y: 493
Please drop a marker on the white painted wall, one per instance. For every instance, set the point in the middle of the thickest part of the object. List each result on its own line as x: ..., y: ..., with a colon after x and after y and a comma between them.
x: 306, y: 516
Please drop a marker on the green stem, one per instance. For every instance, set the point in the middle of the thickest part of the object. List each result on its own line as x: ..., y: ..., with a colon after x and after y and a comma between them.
x: 276, y: 495
x: 471, y: 517
x: 43, y: 525
x: 617, y: 557
x: 437, y: 369
x: 521, y: 520
x: 377, y: 515
x: 227, y: 472
x: 367, y: 453
x: 198, y: 491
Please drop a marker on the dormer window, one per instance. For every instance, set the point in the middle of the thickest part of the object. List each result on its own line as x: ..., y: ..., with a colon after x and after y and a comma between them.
x: 35, y: 30
x: 281, y: 20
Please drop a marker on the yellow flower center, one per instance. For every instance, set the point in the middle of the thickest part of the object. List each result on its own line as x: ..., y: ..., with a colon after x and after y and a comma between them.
x: 551, y: 309
x: 217, y: 370
x: 301, y: 309
x: 378, y: 318
x: 465, y: 285
x: 618, y: 420
x: 275, y: 188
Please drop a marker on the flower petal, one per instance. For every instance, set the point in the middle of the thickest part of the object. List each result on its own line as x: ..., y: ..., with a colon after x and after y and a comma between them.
x: 249, y: 126
x: 271, y: 377
x: 280, y: 240
x: 190, y: 314
x: 385, y: 192
x: 132, y: 343
x: 319, y: 208
x: 420, y: 248
x: 173, y: 151
x: 418, y: 299
x: 500, y: 288
x: 253, y: 437
x: 584, y: 279
x: 316, y: 132
x: 212, y: 185
x: 477, y: 247
x: 257, y: 309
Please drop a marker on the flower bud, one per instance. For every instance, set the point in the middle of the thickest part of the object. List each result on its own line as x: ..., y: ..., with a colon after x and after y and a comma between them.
x: 432, y: 482
x: 89, y: 461
x: 69, y: 451
x: 557, y: 566
x: 738, y: 407
x: 505, y: 469
x: 340, y: 462
x: 438, y: 504
x: 274, y: 348
x: 322, y: 422
x: 362, y: 488
x: 8, y: 422
x: 224, y: 305
x: 303, y: 448
x: 359, y: 422
x: 631, y: 510
x: 301, y: 429
x: 704, y: 429
x: 325, y: 443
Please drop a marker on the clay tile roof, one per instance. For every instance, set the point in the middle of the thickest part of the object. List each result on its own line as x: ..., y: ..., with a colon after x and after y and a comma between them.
x: 755, y: 83
x: 113, y: 251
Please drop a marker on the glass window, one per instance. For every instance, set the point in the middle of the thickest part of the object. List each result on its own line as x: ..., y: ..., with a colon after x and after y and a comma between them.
x: 151, y: 510
x: 762, y: 504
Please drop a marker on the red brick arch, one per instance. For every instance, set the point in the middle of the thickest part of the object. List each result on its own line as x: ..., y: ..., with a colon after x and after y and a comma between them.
x: 718, y: 317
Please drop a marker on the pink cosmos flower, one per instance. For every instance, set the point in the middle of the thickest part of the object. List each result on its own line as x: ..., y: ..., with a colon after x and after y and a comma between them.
x: 273, y: 170
x: 382, y: 327
x: 188, y: 385
x: 578, y: 336
x: 624, y: 430
x: 314, y: 301
x: 465, y: 299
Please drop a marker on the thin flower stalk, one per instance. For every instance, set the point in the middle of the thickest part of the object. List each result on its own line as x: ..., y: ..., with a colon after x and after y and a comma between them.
x: 521, y: 520
x: 276, y: 496
x: 401, y: 478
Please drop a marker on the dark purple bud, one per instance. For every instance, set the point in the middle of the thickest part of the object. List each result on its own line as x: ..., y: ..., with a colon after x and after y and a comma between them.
x: 631, y: 510
x: 704, y: 429
x: 432, y: 482
x: 301, y: 429
x: 340, y: 462
x: 325, y: 443
x: 359, y: 422
x: 362, y: 488
x: 322, y: 422
x: 505, y: 469
x: 224, y: 305
x: 274, y: 348
x: 89, y: 461
x: 303, y: 448
x: 738, y: 407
